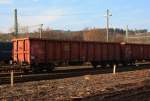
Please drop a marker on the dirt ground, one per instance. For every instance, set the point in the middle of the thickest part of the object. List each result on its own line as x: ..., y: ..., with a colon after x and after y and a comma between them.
x: 125, y: 86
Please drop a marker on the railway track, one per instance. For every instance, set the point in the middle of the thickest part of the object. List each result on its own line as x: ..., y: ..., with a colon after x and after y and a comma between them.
x: 65, y: 73
x: 8, y: 74
x: 7, y: 68
x: 141, y: 93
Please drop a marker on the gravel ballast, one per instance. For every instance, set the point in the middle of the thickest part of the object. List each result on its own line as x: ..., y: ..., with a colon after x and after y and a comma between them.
x: 101, y: 87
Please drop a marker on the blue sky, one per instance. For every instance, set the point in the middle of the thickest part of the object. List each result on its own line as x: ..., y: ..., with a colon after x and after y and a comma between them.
x: 75, y: 14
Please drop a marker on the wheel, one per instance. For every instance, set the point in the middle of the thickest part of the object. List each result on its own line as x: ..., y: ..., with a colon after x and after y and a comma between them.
x: 35, y: 69
x: 50, y: 67
x: 103, y: 65
x: 94, y: 64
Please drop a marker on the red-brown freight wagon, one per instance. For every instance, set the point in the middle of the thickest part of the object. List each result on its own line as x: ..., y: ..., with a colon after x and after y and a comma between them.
x: 135, y: 52
x: 44, y: 54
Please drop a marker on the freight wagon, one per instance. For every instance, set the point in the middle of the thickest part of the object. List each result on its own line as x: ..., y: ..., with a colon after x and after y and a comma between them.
x: 135, y: 52
x: 5, y: 52
x: 41, y: 54
x: 44, y: 54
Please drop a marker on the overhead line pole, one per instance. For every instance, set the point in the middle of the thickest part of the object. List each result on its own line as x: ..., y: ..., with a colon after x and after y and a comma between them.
x: 16, y: 22
x: 107, y: 26
x: 127, y: 34
x: 41, y: 25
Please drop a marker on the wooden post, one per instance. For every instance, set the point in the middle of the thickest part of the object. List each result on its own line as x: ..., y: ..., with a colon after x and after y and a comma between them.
x: 12, y: 74
x: 12, y: 78
x: 114, y: 69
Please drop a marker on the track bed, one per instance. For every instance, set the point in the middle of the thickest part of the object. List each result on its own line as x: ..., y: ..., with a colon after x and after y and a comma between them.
x: 125, y: 86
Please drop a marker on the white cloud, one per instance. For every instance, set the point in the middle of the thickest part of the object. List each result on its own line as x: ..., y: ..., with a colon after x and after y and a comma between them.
x: 33, y: 20
x: 45, y: 18
x: 27, y: 19
x: 5, y: 1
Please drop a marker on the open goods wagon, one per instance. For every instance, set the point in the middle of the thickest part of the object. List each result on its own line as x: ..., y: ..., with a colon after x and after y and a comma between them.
x: 135, y: 52
x: 5, y: 52
x: 44, y: 54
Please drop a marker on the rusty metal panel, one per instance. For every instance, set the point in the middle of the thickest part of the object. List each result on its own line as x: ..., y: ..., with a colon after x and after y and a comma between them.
x: 38, y: 51
x: 110, y: 54
x: 57, y: 51
x: 49, y: 51
x: 117, y: 52
x: 74, y: 51
x: 141, y: 52
x: 90, y: 51
x: 137, y: 52
x: 148, y: 53
x: 65, y: 51
x: 97, y: 52
x: 145, y: 52
x: 21, y: 50
x: 83, y: 51
x: 15, y: 50
x: 27, y: 51
x: 104, y: 52
x: 53, y: 51
x: 21, y: 57
x: 127, y: 52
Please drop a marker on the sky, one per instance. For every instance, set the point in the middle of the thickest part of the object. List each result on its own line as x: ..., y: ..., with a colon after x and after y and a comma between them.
x: 75, y: 14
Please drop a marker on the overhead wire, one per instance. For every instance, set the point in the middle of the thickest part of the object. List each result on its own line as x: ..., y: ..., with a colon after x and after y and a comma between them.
x: 71, y: 14
x: 36, y: 15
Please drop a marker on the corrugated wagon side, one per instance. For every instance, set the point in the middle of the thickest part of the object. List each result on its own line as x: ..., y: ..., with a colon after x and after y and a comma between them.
x: 21, y: 51
x: 135, y: 52
x: 45, y: 54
